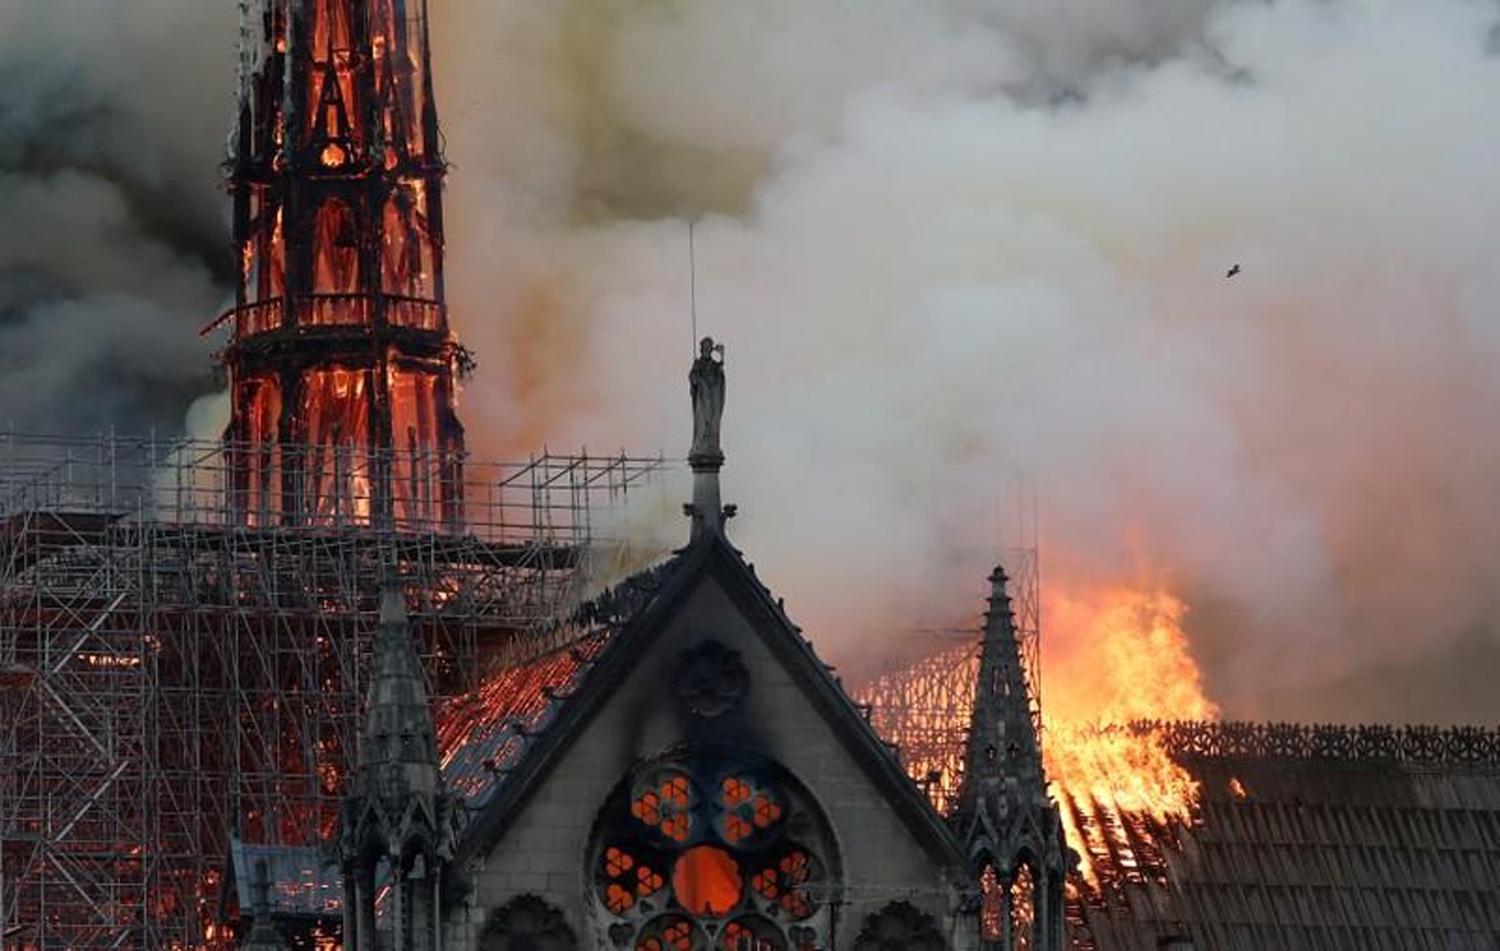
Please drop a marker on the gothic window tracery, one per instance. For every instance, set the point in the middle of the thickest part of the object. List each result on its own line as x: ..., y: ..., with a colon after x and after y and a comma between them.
x: 713, y: 851
x: 1008, y: 912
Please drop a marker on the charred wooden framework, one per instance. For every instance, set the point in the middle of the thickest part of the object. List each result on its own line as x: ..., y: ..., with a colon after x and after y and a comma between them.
x: 341, y: 361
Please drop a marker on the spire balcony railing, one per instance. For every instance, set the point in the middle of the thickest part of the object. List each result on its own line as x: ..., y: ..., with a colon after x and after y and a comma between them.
x: 332, y: 310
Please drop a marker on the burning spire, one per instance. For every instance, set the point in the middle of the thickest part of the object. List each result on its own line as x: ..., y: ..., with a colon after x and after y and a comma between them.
x: 341, y: 361
x: 1008, y: 825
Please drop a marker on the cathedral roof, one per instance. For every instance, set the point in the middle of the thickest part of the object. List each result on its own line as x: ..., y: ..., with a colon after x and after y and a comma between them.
x: 1327, y: 836
x: 485, y: 734
x: 499, y: 743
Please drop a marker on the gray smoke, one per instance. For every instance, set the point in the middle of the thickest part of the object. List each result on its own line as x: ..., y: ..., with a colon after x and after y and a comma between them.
x: 957, y: 245
x: 113, y: 249
x: 953, y: 245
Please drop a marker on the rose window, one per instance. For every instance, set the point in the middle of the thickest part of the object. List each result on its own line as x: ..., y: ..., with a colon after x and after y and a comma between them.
x: 713, y: 853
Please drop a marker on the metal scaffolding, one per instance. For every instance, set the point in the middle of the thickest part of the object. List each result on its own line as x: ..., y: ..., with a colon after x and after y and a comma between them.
x: 923, y: 700
x: 170, y: 675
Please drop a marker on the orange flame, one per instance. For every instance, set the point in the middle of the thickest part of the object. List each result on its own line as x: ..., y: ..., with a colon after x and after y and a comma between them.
x: 1117, y: 656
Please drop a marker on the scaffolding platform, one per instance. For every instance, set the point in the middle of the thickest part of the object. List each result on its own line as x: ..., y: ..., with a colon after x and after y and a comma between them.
x: 174, y: 673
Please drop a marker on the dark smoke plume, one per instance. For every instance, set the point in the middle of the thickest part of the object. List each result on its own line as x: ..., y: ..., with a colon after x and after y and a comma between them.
x: 113, y: 249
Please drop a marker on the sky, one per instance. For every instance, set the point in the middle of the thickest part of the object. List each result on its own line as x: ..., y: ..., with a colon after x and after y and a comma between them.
x: 959, y: 251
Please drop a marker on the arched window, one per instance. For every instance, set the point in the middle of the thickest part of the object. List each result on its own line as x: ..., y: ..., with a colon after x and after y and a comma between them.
x: 1023, y: 909
x: 713, y: 849
x: 1008, y: 908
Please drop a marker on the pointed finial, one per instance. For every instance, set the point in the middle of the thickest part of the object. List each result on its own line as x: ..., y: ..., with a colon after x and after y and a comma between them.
x: 999, y: 595
x: 998, y: 580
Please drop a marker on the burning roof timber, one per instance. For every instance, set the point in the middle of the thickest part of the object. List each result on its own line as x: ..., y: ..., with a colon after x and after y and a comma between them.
x: 1297, y: 836
x: 1306, y: 836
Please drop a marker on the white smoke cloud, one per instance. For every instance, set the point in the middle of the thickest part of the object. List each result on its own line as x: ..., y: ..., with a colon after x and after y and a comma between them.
x: 953, y: 244
x: 950, y: 243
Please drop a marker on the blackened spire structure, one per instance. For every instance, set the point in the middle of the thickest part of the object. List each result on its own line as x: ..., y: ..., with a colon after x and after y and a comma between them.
x: 1009, y: 827
x: 399, y: 819
x: 341, y: 362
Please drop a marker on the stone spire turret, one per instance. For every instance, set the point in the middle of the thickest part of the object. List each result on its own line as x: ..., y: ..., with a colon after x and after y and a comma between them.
x: 398, y: 817
x: 1010, y: 828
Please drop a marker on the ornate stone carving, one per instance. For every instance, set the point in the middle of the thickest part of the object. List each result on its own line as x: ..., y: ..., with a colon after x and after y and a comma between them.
x: 527, y: 923
x: 899, y: 926
x: 711, y: 679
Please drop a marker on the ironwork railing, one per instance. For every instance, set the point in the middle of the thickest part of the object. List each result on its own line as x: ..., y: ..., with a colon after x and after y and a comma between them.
x: 1410, y: 745
x: 331, y: 310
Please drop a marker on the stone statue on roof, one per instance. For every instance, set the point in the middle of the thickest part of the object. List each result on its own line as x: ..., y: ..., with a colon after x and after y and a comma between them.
x: 706, y: 383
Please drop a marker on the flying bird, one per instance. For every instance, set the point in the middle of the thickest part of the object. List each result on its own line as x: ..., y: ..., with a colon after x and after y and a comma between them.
x: 1233, y: 271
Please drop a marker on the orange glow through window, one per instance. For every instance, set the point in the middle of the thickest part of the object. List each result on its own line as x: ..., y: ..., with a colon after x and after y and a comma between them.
x: 707, y: 881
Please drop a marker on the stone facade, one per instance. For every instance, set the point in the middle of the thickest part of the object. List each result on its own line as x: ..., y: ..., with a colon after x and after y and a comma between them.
x: 879, y: 853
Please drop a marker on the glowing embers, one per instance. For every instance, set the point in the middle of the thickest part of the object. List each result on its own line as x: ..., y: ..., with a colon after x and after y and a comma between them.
x: 741, y: 851
x: 262, y: 264
x: 1007, y: 910
x: 257, y: 462
x: 406, y: 254
x: 991, y: 906
x: 424, y: 473
x: 398, y: 81
x: 331, y: 25
x: 334, y: 416
x: 336, y: 256
x: 332, y: 101
x: 334, y: 156
x: 1022, y: 904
